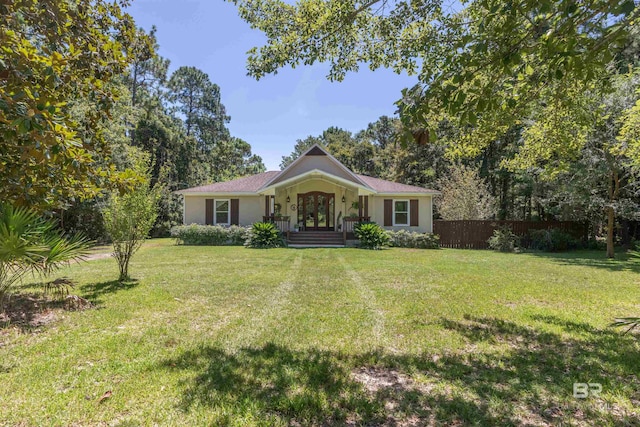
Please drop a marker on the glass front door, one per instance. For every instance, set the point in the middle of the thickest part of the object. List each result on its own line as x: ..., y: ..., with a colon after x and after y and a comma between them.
x: 316, y: 210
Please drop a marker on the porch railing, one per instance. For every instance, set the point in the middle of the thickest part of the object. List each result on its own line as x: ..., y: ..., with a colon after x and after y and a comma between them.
x: 348, y: 225
x: 282, y: 223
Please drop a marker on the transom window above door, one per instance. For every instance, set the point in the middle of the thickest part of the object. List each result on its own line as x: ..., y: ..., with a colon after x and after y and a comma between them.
x: 222, y: 211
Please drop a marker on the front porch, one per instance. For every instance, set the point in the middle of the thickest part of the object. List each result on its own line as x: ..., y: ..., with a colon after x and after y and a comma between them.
x: 301, y: 237
x: 316, y: 207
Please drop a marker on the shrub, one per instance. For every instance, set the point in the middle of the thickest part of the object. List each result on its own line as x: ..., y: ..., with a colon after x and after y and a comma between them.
x: 371, y: 235
x: 209, y: 235
x: 406, y: 239
x: 552, y: 240
x: 264, y: 235
x: 503, y: 240
x: 237, y: 235
x: 596, y: 245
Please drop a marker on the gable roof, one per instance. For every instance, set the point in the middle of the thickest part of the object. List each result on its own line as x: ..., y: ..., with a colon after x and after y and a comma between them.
x: 255, y: 183
x: 384, y: 186
x: 248, y: 184
x: 314, y: 152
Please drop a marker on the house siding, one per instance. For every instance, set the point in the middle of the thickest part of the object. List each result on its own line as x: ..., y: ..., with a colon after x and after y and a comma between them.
x: 425, y: 210
x: 251, y: 208
x: 309, y: 163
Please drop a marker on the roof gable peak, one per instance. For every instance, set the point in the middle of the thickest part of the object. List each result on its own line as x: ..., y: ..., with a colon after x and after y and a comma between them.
x: 316, y: 150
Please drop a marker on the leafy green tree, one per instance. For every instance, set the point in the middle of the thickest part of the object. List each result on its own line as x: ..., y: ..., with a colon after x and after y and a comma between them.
x: 464, y: 195
x: 583, y: 142
x: 129, y: 217
x: 54, y: 52
x: 357, y: 155
x: 30, y: 244
x: 483, y: 61
x: 198, y: 99
x: 630, y: 134
x: 232, y: 158
x: 382, y: 133
x: 148, y: 70
x: 414, y: 164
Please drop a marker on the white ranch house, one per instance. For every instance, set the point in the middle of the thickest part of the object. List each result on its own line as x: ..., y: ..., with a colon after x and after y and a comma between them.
x: 316, y: 196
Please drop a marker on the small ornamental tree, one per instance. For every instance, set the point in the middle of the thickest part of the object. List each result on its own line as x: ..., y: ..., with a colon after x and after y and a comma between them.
x: 465, y: 195
x: 129, y: 217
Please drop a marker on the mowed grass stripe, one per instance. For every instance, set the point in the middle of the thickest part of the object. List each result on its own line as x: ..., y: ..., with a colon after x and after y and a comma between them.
x: 265, y: 315
x: 232, y: 336
x: 369, y: 301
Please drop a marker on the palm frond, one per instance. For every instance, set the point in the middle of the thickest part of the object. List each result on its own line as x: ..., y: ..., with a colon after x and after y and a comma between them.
x: 629, y: 322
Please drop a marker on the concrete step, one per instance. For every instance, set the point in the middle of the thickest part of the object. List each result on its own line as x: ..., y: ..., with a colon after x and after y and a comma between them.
x: 311, y: 245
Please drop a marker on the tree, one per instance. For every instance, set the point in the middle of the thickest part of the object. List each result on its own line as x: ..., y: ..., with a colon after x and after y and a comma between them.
x: 30, y: 244
x: 199, y: 101
x: 53, y: 52
x: 233, y: 158
x: 148, y: 70
x: 464, y: 195
x: 479, y: 62
x: 582, y: 140
x: 382, y: 133
x: 129, y: 217
x: 357, y: 155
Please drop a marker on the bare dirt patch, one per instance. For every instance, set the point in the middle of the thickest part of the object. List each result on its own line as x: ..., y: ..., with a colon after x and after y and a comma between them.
x: 375, y: 379
x: 393, y: 388
x: 33, y: 311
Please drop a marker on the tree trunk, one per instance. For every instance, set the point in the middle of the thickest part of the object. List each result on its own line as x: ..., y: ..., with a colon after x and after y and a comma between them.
x: 610, y: 226
x: 614, y: 192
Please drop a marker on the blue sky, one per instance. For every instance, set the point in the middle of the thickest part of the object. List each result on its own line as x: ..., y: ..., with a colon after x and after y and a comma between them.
x: 272, y: 113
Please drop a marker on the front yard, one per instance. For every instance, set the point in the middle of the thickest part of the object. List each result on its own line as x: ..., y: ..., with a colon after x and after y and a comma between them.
x: 234, y: 336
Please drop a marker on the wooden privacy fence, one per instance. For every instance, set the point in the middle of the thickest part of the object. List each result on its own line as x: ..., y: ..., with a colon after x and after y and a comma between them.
x: 474, y: 234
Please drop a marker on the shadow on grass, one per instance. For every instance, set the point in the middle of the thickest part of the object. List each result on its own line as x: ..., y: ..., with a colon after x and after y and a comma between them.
x: 28, y: 312
x: 597, y: 259
x: 528, y: 383
x: 93, y: 291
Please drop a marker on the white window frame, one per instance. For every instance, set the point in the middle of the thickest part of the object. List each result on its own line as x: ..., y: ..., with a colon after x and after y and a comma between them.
x: 215, y: 211
x: 408, y: 211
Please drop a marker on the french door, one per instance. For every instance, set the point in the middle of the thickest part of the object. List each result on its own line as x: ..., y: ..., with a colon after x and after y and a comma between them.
x: 316, y: 210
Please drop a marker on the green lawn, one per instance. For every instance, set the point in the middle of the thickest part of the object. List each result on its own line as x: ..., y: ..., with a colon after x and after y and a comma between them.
x: 234, y: 336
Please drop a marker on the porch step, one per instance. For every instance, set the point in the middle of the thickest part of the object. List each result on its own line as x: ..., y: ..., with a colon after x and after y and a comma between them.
x: 316, y: 238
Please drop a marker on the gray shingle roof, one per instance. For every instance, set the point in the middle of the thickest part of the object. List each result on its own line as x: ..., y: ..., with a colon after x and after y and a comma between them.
x: 383, y: 186
x: 247, y: 184
x: 252, y: 184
